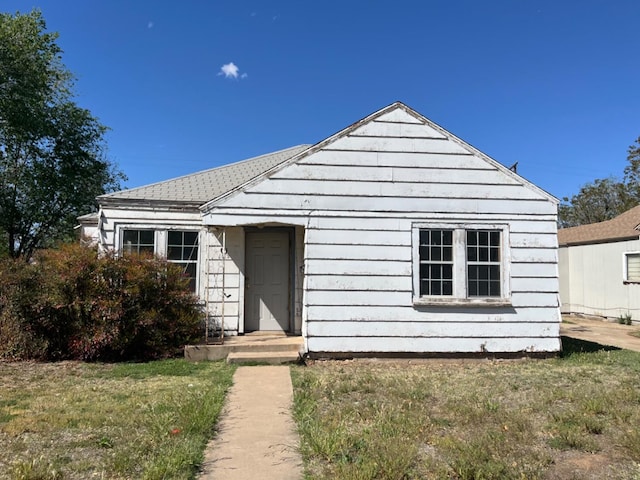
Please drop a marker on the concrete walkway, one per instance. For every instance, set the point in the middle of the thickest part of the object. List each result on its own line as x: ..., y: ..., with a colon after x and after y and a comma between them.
x: 601, y: 331
x: 256, y: 435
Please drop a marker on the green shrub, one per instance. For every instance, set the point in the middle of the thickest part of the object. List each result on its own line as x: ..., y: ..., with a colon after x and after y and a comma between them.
x: 625, y: 319
x: 71, y: 304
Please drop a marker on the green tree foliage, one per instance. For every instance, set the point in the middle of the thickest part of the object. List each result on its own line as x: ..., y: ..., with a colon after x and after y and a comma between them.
x: 604, y: 198
x: 632, y: 171
x: 52, y: 152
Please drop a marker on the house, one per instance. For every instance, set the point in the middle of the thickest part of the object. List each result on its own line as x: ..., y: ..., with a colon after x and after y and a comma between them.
x: 600, y: 267
x: 392, y: 236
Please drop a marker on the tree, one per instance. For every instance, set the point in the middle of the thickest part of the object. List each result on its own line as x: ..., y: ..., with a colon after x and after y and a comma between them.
x: 632, y: 171
x: 604, y: 198
x: 52, y: 152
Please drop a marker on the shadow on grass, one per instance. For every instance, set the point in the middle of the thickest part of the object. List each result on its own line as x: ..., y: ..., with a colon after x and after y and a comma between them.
x: 574, y: 345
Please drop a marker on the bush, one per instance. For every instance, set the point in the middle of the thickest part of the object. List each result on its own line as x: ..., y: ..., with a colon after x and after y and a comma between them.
x: 71, y: 304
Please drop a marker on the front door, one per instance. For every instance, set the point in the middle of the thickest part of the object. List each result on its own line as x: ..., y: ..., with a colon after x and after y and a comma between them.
x: 267, y: 281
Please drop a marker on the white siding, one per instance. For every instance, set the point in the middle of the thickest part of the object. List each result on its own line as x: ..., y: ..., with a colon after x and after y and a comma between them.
x: 356, y: 200
x: 591, y: 280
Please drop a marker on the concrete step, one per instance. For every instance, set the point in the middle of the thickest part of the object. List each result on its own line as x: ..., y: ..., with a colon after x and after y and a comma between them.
x: 254, y: 344
x: 272, y: 358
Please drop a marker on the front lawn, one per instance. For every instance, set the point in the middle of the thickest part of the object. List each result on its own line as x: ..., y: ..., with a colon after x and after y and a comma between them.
x: 575, y: 417
x: 74, y: 420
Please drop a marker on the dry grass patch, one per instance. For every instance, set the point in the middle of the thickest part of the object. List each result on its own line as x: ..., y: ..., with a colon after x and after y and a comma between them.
x: 72, y: 420
x: 472, y: 419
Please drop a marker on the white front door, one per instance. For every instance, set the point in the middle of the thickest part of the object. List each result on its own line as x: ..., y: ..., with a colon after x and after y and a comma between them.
x: 267, y: 281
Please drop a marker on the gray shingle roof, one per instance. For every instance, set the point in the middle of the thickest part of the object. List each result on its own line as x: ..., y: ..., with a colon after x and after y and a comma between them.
x: 198, y: 188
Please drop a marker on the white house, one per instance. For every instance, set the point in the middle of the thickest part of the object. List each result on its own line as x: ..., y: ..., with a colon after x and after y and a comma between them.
x: 600, y: 267
x: 392, y: 236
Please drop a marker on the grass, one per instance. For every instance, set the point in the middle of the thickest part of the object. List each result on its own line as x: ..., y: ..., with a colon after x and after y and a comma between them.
x: 574, y: 417
x: 73, y: 420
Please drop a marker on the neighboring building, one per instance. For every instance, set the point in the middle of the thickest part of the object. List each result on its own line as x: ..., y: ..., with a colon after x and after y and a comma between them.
x: 600, y: 267
x: 391, y: 236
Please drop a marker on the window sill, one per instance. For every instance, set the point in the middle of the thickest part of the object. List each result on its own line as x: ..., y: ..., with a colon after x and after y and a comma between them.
x: 461, y: 302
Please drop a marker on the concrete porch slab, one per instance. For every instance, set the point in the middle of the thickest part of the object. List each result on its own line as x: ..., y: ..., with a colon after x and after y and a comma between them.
x: 252, y: 343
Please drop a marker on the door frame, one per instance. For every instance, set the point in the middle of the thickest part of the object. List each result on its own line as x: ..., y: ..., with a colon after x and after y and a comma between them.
x: 290, y: 230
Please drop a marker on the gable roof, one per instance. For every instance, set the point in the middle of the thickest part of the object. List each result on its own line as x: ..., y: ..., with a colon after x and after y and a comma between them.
x: 200, y: 187
x: 625, y: 226
x: 396, y: 112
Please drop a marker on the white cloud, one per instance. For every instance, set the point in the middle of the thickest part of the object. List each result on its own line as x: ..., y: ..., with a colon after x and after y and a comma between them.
x: 231, y: 70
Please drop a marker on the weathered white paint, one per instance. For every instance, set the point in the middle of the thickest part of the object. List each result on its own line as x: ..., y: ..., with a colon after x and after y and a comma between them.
x: 534, y: 344
x: 396, y: 129
x: 591, y: 280
x: 357, y: 199
x: 431, y: 161
x: 410, y: 314
x: 368, y: 328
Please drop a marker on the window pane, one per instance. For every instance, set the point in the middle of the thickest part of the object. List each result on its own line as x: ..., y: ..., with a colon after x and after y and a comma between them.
x: 494, y: 254
x: 174, y: 253
x: 472, y: 254
x: 447, y: 237
x: 483, y: 238
x: 424, y: 270
x: 633, y: 267
x: 191, y: 253
x: 182, y: 248
x: 447, y: 254
x: 494, y: 289
x: 174, y: 238
x: 494, y: 272
x: 472, y: 237
x: 472, y: 272
x: 447, y: 271
x: 424, y: 237
x: 483, y: 272
x: 130, y: 236
x: 137, y: 241
x: 146, y: 237
x: 483, y: 289
x: 435, y: 288
x: 436, y: 254
x: 190, y: 238
x: 424, y: 253
x: 495, y: 239
x: 447, y: 287
x: 483, y: 254
x: 436, y: 272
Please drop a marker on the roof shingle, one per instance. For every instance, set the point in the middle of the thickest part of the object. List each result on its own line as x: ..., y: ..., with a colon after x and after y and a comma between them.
x: 198, y: 188
x: 623, y: 227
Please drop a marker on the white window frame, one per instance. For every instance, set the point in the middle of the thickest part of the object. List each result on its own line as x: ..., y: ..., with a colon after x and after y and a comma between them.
x: 460, y: 297
x: 625, y: 267
x: 160, y: 239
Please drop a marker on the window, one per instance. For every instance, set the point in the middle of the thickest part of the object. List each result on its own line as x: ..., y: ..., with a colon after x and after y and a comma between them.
x: 483, y: 263
x: 632, y: 267
x: 138, y: 241
x: 461, y: 264
x: 182, y: 249
x: 436, y: 262
x: 177, y: 246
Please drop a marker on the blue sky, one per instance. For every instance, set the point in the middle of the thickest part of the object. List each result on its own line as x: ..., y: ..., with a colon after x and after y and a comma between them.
x: 553, y: 85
